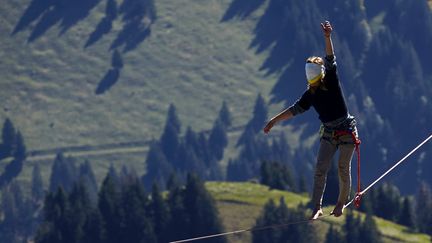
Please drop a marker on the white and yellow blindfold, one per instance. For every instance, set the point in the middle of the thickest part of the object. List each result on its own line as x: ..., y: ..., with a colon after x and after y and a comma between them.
x: 314, y: 72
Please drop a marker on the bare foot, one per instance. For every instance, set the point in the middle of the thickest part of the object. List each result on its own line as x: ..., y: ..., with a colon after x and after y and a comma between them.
x: 317, y: 212
x: 338, y: 210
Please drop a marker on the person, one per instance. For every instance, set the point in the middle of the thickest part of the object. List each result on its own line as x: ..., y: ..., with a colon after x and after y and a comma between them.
x: 338, y: 129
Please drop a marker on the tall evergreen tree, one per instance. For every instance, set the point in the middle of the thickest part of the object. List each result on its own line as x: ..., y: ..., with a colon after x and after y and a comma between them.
x: 276, y: 176
x: 333, y: 235
x: 257, y: 121
x: 88, y: 178
x: 109, y: 205
x: 424, y: 208
x: 159, y: 215
x: 135, y: 223
x: 200, y: 209
x: 63, y: 173
x: 369, y: 231
x: 218, y: 139
x: 37, y: 188
x: 158, y: 167
x: 351, y: 227
x: 406, y: 216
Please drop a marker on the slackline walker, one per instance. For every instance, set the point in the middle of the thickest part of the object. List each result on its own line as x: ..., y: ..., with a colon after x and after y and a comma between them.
x: 275, y: 226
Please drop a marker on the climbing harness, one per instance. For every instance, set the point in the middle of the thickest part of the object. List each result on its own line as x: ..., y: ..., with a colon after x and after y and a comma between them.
x: 356, y: 200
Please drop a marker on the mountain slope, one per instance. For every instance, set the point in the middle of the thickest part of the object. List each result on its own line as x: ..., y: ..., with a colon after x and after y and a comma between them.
x: 240, y: 204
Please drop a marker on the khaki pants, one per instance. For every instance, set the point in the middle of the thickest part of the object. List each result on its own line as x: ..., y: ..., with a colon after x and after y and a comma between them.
x: 327, y: 149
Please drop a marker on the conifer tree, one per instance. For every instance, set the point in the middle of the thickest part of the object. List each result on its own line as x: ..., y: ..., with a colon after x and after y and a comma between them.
x: 55, y: 227
x: 369, y: 231
x: 63, y: 173
x: 170, y: 142
x: 135, y: 223
x: 406, y: 216
x: 109, y: 206
x: 276, y: 176
x: 218, y: 139
x: 333, y: 235
x: 351, y: 227
x: 88, y: 178
x: 158, y: 167
x: 424, y: 208
x: 37, y: 190
x: 159, y: 214
x: 201, y: 210
x: 257, y: 121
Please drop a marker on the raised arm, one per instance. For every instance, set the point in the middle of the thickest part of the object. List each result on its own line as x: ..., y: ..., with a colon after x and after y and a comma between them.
x: 327, y: 29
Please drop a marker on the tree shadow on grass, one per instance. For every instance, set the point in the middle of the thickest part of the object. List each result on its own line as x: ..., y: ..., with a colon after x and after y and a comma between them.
x: 138, y: 17
x: 241, y: 9
x: 48, y: 13
x: 104, y: 27
x: 110, y: 78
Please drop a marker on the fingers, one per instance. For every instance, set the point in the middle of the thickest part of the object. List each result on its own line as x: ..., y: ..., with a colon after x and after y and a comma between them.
x: 326, y: 25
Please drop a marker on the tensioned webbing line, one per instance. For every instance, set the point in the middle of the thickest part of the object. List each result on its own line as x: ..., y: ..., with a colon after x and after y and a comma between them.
x: 275, y: 226
x: 389, y: 170
x: 254, y: 229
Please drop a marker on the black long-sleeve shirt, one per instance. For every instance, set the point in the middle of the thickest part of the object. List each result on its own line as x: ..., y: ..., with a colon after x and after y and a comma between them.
x: 328, y: 101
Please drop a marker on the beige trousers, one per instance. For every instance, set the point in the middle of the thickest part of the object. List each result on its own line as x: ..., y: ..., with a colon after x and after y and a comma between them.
x: 327, y: 149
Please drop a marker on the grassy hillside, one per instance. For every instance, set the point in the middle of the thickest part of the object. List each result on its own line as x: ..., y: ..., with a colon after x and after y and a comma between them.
x: 191, y: 59
x: 240, y: 204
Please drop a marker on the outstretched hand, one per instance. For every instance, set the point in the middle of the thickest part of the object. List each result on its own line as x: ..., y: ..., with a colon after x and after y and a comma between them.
x: 268, y: 127
x: 327, y: 28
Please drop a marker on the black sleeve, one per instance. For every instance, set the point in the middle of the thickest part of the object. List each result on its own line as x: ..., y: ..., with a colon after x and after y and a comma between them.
x: 301, y: 105
x: 331, y: 77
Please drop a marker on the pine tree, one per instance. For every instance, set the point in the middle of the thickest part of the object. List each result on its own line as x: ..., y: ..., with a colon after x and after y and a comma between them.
x: 55, y: 227
x: 424, y: 208
x: 93, y: 228
x: 406, y: 216
x: 369, y: 231
x: 63, y: 173
x: 268, y: 217
x: 351, y: 228
x: 257, y: 121
x: 158, y: 167
x: 276, y: 176
x: 179, y: 220
x: 10, y: 218
x: 109, y: 205
x: 160, y: 215
x: 135, y: 223
x: 37, y: 189
x: 218, y: 139
x: 333, y: 235
x: 88, y: 178
x: 388, y: 202
x: 201, y: 210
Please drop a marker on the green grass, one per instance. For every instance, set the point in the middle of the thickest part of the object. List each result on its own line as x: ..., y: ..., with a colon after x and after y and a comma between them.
x: 240, y: 204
